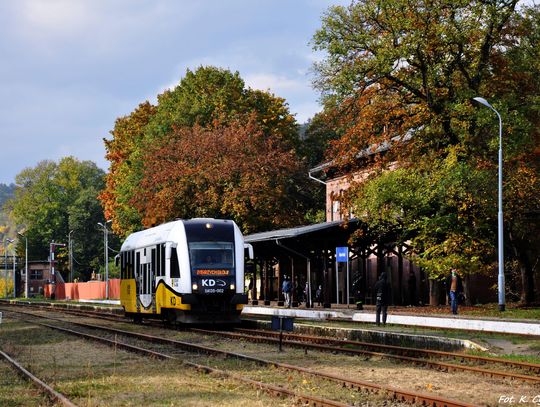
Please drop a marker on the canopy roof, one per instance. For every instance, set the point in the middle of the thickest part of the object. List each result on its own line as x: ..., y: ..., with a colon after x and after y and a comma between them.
x: 291, y: 232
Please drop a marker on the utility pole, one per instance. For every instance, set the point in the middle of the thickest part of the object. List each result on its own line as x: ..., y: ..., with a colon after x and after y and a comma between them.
x: 52, y: 247
x: 26, y: 278
x: 70, y: 255
x: 14, y: 276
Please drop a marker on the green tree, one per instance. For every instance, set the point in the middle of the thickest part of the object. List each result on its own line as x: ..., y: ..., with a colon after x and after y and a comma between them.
x: 396, y: 68
x: 53, y: 199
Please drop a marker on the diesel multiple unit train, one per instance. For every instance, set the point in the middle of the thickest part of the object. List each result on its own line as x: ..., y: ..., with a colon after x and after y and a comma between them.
x: 186, y: 271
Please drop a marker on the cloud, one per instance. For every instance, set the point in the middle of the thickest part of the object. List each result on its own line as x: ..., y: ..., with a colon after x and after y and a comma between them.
x: 71, y: 67
x: 56, y: 16
x: 275, y: 83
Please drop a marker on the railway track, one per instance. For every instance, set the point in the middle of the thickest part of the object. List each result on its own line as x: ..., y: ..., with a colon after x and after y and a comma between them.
x: 415, y: 356
x: 396, y: 394
x: 269, y: 388
x: 339, y: 346
x: 43, y: 387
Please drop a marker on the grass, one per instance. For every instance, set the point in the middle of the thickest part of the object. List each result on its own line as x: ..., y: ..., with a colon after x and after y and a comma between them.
x: 530, y: 353
x: 513, y: 311
x: 91, y: 374
x: 512, y: 357
x: 41, y: 299
x: 15, y: 391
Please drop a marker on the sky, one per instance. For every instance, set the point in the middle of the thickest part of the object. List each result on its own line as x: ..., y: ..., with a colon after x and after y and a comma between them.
x: 69, y: 68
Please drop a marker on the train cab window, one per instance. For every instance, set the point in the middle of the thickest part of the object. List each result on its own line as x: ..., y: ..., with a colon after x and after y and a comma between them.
x: 175, y: 267
x: 213, y: 255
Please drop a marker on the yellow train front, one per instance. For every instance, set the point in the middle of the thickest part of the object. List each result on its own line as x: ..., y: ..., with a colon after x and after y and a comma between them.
x: 190, y: 271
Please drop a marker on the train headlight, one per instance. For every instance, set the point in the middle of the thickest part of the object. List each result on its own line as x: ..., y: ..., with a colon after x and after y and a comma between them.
x: 232, y: 286
x: 194, y: 287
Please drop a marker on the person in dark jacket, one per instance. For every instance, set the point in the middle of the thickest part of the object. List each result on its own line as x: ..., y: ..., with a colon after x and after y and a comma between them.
x: 454, y: 287
x: 319, y: 295
x: 286, y: 288
x: 382, y: 294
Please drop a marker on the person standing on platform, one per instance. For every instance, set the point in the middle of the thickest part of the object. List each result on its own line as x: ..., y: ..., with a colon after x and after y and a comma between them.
x: 318, y: 295
x: 454, y: 287
x: 286, y: 289
x: 382, y: 294
x: 306, y: 295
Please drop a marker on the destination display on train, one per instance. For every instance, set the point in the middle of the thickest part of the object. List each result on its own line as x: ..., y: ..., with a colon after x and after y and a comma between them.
x: 212, y: 272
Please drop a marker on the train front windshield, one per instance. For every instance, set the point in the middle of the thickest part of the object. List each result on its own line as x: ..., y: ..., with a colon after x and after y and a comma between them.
x: 211, y: 255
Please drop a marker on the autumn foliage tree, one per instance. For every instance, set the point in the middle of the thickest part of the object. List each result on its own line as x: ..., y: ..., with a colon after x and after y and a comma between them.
x: 123, y: 153
x: 211, y: 147
x: 397, y: 68
x: 228, y: 170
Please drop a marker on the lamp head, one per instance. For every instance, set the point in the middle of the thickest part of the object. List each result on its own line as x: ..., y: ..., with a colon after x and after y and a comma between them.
x: 483, y: 101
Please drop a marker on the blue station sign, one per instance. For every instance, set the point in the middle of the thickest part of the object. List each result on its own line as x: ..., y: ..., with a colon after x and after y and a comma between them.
x: 342, y: 254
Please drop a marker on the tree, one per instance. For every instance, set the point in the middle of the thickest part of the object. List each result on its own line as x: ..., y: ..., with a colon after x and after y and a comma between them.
x: 52, y: 199
x: 396, y: 69
x: 225, y: 171
x: 210, y: 99
x: 123, y: 152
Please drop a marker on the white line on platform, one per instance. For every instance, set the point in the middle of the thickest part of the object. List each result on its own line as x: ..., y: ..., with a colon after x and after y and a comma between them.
x: 521, y: 328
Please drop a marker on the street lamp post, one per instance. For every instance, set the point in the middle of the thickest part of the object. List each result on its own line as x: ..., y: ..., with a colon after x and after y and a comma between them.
x: 106, y: 251
x: 6, y: 241
x: 500, y: 214
x: 26, y: 278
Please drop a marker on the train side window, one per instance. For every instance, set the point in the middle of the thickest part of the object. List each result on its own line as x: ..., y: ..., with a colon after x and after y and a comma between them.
x: 132, y: 265
x: 123, y: 265
x: 162, y: 258
x: 144, y: 279
x: 175, y: 267
x: 138, y: 263
x: 157, y: 262
x: 129, y: 265
x: 154, y: 262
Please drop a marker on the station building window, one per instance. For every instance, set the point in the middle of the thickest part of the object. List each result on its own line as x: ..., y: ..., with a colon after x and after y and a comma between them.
x: 36, y: 274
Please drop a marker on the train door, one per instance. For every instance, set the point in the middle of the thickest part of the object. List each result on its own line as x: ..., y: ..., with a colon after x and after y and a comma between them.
x: 145, y: 278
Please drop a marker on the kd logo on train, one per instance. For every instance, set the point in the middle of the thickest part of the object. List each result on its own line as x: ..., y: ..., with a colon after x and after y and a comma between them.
x: 206, y: 282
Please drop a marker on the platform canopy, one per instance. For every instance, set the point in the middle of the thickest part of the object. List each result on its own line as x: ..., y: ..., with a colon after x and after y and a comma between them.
x: 304, y: 239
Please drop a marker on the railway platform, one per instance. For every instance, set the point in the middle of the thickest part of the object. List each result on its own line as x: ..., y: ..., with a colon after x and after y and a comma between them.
x: 404, y: 317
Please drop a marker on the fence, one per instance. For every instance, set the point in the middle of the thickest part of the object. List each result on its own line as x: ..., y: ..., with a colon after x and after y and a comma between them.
x: 91, y: 290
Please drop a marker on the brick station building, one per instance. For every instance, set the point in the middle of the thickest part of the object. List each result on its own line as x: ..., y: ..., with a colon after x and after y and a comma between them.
x: 307, y: 255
